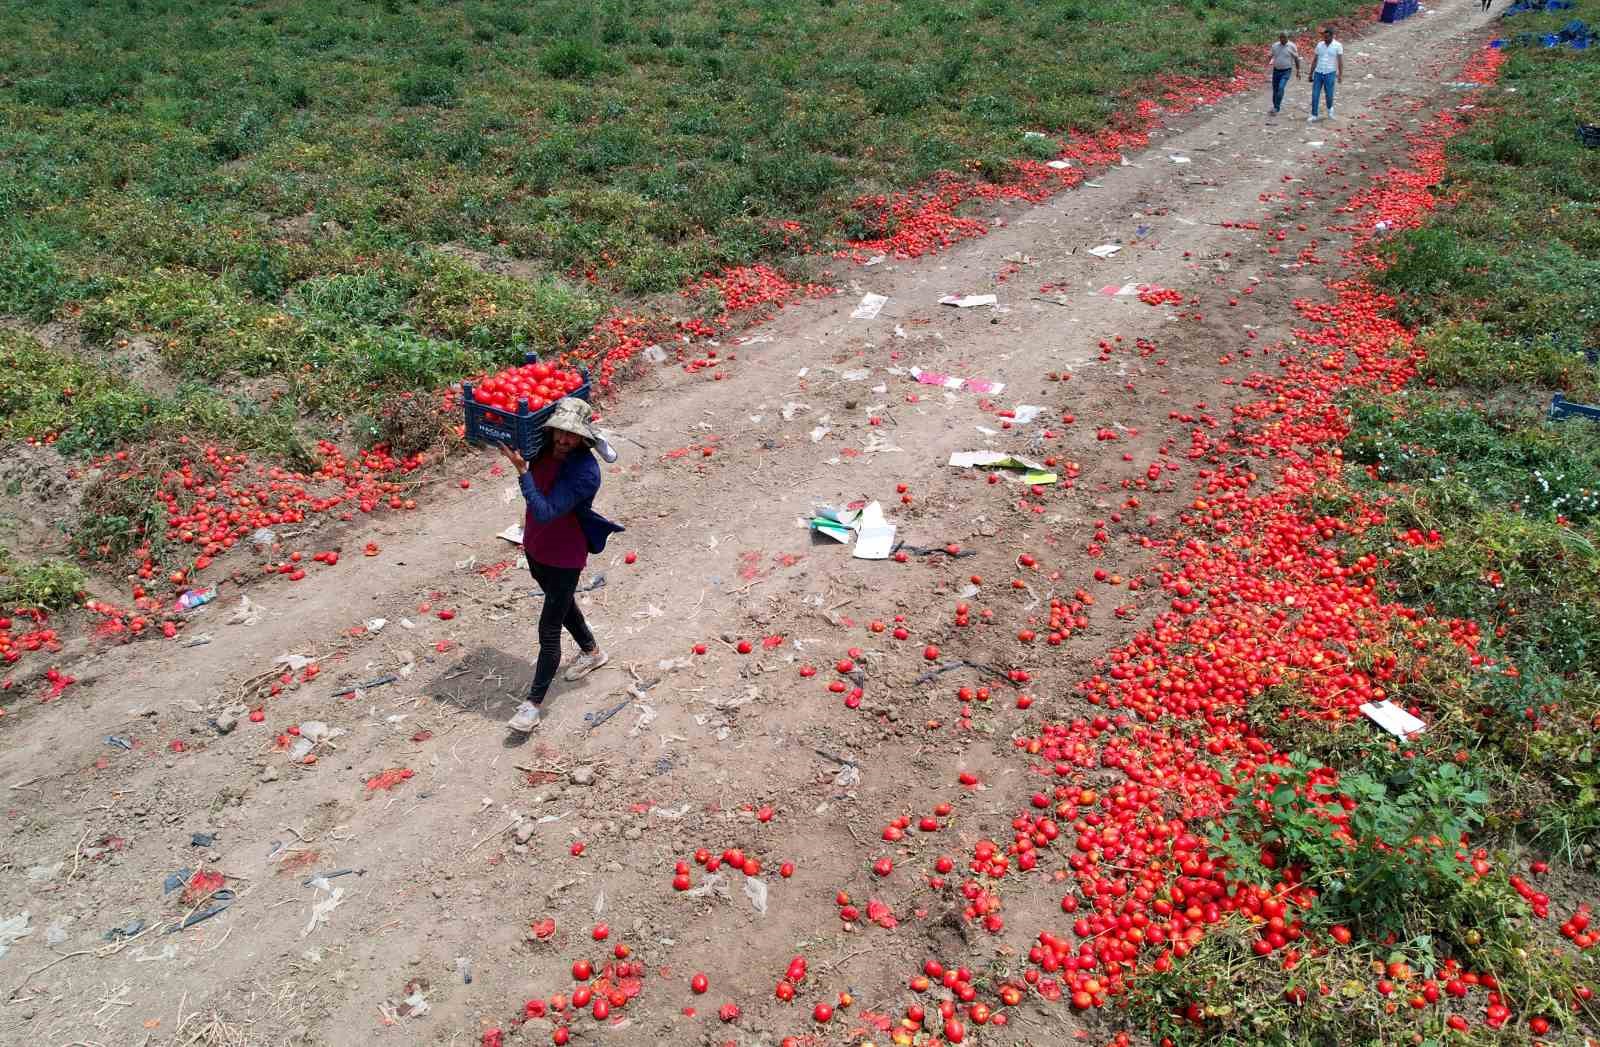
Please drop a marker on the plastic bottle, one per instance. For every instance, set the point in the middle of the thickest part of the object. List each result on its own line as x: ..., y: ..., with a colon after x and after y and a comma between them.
x: 193, y: 598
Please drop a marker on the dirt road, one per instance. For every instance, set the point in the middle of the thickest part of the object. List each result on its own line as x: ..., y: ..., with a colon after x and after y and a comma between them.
x: 455, y: 865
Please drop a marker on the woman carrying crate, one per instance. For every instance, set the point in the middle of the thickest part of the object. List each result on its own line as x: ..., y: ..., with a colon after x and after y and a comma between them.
x: 559, y: 532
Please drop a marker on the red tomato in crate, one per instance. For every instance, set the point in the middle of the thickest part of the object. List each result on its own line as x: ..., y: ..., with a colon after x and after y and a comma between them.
x: 540, y: 384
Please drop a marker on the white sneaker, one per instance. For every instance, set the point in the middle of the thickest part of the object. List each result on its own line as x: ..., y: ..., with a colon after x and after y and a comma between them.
x: 585, y: 664
x: 525, y: 719
x: 1313, y: 118
x: 1330, y: 112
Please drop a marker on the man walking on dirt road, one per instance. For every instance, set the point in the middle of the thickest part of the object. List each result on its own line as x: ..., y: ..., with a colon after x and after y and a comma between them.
x: 1285, y: 58
x: 1327, y: 67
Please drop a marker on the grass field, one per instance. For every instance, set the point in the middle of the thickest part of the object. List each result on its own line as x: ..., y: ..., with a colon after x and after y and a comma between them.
x: 1505, y: 288
x: 262, y: 189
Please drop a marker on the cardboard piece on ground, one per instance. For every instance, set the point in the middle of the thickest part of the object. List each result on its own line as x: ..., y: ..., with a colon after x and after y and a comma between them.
x: 871, y: 305
x: 968, y: 301
x: 1105, y: 250
x: 946, y: 381
x: 1032, y: 472
x: 512, y: 534
x: 873, y: 533
x: 1393, y: 719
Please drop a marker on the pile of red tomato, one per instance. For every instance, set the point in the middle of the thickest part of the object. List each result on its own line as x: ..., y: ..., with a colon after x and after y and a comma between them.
x: 30, y: 639
x: 540, y: 384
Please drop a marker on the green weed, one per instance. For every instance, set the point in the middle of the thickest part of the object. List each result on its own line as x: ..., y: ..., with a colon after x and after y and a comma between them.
x: 49, y: 584
x: 1380, y: 860
x: 1467, y: 354
x: 33, y: 281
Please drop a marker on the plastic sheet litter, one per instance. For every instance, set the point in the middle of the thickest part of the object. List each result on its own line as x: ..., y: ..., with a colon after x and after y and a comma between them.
x: 12, y: 930
x: 221, y: 900
x: 127, y: 930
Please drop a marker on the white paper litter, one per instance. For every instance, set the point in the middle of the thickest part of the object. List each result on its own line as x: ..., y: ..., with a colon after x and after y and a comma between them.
x: 512, y: 534
x: 169, y: 951
x: 1393, y: 719
x: 647, y: 716
x: 671, y: 814
x: 1175, y: 158
x: 247, y: 613
x: 317, y: 731
x: 981, y: 459
x: 375, y: 625
x: 1059, y: 165
x: 871, y: 305
x: 1105, y: 250
x: 323, y: 907
x: 713, y: 884
x: 875, y: 535
x: 1026, y: 413
x: 295, y: 662
x: 968, y: 301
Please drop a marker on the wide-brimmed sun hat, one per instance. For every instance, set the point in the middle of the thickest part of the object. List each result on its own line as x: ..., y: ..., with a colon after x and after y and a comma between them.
x: 575, y: 416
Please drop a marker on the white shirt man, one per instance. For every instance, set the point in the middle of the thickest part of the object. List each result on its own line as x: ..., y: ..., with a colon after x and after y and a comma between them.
x: 1327, y: 67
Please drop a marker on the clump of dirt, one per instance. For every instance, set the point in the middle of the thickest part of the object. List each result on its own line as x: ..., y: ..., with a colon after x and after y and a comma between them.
x: 39, y: 497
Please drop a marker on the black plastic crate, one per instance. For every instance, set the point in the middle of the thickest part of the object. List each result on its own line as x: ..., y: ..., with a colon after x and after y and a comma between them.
x: 1589, y: 135
x: 523, y: 429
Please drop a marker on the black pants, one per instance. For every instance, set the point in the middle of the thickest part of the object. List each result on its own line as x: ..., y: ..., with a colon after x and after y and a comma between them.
x: 560, y: 585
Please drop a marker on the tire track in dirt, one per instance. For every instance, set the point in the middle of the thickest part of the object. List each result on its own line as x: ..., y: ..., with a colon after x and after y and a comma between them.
x: 701, y: 525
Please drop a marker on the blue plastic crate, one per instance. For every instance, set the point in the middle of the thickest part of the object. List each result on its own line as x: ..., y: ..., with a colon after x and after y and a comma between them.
x: 1561, y: 407
x: 522, y: 429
